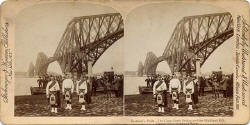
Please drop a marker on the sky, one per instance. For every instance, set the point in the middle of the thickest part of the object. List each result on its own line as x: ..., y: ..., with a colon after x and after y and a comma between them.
x: 148, y: 28
x: 39, y: 28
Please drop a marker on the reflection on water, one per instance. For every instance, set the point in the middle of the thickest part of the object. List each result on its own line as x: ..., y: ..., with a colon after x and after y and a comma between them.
x: 22, y: 85
x: 131, y: 84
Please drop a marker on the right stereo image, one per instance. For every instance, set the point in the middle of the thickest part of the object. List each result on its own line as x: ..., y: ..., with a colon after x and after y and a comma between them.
x: 178, y: 61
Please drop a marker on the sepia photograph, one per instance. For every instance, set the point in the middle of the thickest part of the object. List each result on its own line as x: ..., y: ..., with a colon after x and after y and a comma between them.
x: 178, y: 63
x: 64, y: 60
x: 124, y: 62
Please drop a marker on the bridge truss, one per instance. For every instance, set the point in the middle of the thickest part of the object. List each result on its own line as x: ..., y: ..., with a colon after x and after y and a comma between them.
x: 195, y: 37
x: 85, y: 39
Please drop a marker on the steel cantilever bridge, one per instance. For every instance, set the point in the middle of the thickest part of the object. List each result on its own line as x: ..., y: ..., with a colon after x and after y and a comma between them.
x: 85, y: 39
x: 193, y: 37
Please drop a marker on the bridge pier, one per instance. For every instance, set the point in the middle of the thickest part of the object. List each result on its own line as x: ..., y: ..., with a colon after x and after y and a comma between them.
x: 90, y: 67
x: 198, y: 68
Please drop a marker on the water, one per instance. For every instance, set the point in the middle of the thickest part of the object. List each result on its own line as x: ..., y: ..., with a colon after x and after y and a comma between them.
x: 22, y: 85
x: 131, y: 84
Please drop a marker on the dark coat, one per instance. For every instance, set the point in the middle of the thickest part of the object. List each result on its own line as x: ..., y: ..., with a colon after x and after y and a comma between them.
x: 224, y: 84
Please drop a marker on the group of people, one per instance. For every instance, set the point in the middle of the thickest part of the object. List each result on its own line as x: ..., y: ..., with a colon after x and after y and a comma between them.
x: 150, y: 80
x: 53, y: 90
x: 220, y: 84
x: 174, y: 87
x: 191, y: 86
x: 112, y: 86
x: 43, y: 80
x: 83, y: 86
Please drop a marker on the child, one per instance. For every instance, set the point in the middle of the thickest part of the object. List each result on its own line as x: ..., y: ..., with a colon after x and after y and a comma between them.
x: 174, y: 89
x: 158, y: 91
x: 51, y: 93
x: 188, y: 90
x: 81, y: 89
x: 67, y: 90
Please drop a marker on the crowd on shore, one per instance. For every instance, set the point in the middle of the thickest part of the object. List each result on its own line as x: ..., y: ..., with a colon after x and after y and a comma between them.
x: 84, y: 87
x: 190, y: 85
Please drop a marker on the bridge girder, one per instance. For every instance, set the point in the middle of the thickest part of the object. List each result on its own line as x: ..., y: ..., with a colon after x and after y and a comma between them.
x: 149, y: 64
x: 195, y: 37
x: 85, y: 39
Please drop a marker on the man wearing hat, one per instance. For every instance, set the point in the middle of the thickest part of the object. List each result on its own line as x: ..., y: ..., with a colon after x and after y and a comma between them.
x: 67, y: 90
x: 51, y: 93
x: 175, y: 89
x: 159, y: 89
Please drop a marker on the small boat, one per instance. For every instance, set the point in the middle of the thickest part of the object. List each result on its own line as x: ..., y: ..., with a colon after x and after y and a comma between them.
x: 145, y: 89
x: 37, y: 90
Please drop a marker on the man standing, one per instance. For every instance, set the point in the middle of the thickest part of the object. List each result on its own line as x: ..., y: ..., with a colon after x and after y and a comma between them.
x: 224, y: 84
x: 67, y: 90
x: 147, y: 80
x: 188, y: 90
x: 51, y: 93
x: 94, y: 86
x: 89, y: 86
x: 153, y: 80
x: 196, y: 91
x: 159, y: 93
x: 216, y: 87
x: 166, y: 80
x: 39, y: 81
x: 202, y: 86
x: 175, y: 89
x: 109, y: 87
x: 46, y: 80
x: 81, y: 90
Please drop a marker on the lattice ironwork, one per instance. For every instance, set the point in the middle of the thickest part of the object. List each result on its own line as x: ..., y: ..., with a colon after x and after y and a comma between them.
x: 195, y: 37
x: 85, y: 39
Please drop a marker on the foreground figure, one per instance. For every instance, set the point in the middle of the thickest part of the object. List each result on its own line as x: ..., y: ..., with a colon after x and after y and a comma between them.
x: 81, y: 89
x: 188, y: 90
x: 51, y: 93
x: 174, y: 89
x: 159, y: 94
x: 67, y: 90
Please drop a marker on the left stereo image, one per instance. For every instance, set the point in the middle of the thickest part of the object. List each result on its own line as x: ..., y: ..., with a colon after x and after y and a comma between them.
x: 69, y: 62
